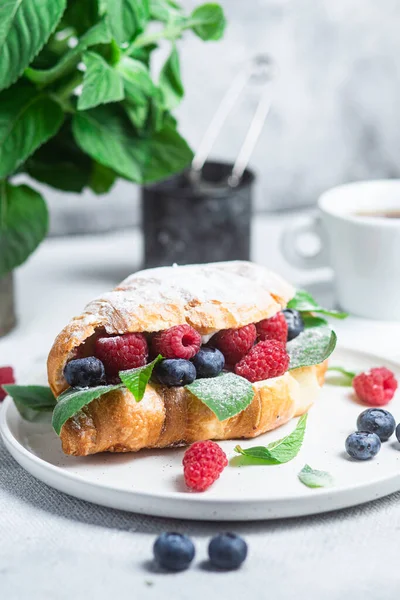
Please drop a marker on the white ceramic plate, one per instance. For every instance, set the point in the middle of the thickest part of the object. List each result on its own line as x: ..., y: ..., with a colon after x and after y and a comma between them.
x: 151, y: 482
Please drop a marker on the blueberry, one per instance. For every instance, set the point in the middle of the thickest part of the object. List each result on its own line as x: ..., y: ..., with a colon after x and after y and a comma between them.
x: 173, y: 551
x: 227, y: 551
x: 175, y: 372
x: 295, y: 323
x: 363, y: 445
x: 398, y: 432
x: 84, y: 372
x: 377, y: 420
x: 209, y: 362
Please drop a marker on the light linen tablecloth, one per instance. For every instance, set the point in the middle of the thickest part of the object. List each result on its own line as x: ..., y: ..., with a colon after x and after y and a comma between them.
x: 56, y: 547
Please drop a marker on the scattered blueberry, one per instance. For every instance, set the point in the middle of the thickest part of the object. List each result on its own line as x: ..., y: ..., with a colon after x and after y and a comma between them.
x: 377, y: 420
x: 175, y: 372
x: 398, y: 432
x: 363, y: 445
x: 84, y: 372
x: 209, y: 362
x: 295, y: 323
x: 173, y: 551
x: 227, y: 551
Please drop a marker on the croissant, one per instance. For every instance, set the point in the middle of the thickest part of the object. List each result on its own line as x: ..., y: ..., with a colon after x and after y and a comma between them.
x: 210, y: 298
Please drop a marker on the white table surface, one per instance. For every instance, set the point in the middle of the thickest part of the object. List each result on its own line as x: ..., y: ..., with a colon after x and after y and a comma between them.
x: 56, y: 547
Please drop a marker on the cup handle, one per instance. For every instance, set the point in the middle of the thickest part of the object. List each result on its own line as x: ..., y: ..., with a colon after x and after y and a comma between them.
x: 290, y: 247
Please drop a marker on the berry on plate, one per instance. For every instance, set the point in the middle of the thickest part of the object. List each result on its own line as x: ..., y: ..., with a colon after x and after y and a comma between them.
x: 398, y: 432
x: 294, y: 322
x: 235, y: 343
x: 377, y: 420
x: 375, y: 387
x: 175, y: 372
x: 173, y: 551
x: 209, y: 362
x: 266, y: 360
x: 203, y: 463
x: 227, y: 551
x: 6, y: 376
x: 363, y: 445
x: 275, y: 328
x: 181, y: 341
x: 84, y: 372
x: 122, y: 352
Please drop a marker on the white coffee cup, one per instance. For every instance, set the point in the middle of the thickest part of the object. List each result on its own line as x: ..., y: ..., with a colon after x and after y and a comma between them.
x: 363, y: 250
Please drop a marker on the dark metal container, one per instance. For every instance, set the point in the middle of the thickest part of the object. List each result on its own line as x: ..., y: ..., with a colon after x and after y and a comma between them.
x: 197, y: 222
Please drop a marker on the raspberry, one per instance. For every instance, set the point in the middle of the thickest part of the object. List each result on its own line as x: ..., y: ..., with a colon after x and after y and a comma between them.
x: 6, y: 376
x: 235, y: 343
x: 266, y: 360
x: 375, y: 387
x: 275, y: 328
x: 122, y: 352
x: 203, y: 463
x: 181, y: 341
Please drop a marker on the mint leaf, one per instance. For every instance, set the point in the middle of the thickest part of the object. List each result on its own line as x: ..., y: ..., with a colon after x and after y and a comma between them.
x: 282, y: 450
x: 137, y: 379
x: 313, y: 478
x: 23, y: 224
x: 345, y: 378
x: 208, y: 21
x: 31, y: 400
x: 164, y: 10
x: 138, y: 84
x: 312, y: 321
x: 311, y: 347
x: 73, y: 400
x: 101, y: 178
x: 101, y: 83
x: 226, y: 395
x: 127, y: 18
x: 27, y: 120
x: 170, y: 81
x: 304, y: 302
x: 169, y: 153
x: 25, y: 27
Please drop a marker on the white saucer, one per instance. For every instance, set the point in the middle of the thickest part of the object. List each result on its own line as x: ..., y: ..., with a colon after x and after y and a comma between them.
x: 151, y: 482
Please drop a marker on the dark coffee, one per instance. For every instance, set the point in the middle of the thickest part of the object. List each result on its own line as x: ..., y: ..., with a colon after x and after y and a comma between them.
x: 384, y: 214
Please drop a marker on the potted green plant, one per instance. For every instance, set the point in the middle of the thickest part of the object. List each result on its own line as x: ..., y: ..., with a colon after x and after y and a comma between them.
x: 79, y: 106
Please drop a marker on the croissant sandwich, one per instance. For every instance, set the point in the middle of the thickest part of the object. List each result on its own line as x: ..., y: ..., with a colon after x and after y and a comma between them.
x: 185, y: 353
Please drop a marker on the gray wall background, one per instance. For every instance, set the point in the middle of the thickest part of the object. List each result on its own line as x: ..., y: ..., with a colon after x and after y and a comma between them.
x: 335, y: 113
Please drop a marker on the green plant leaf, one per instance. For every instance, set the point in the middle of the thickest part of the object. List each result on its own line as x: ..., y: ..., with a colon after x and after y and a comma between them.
x: 137, y: 379
x: 101, y: 83
x: 313, y: 478
x: 59, y: 163
x: 345, y: 378
x: 106, y: 135
x: 137, y: 114
x: 81, y: 15
x: 311, y: 347
x: 98, y: 34
x: 157, y: 113
x: 23, y: 224
x: 281, y: 451
x: 313, y: 321
x: 170, y: 81
x: 164, y: 10
x: 27, y: 120
x: 70, y: 402
x: 169, y: 154
x: 31, y: 400
x: 127, y: 18
x: 109, y: 138
x: 226, y: 395
x: 137, y: 80
x: 101, y: 179
x: 25, y: 27
x: 208, y: 21
x: 304, y: 302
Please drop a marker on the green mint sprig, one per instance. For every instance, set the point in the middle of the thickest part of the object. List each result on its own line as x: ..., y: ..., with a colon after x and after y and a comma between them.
x: 311, y: 347
x: 313, y: 478
x: 304, y: 302
x: 31, y: 400
x: 345, y: 378
x: 281, y: 451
